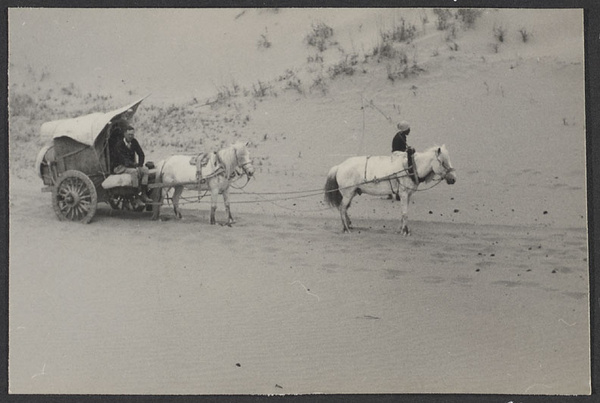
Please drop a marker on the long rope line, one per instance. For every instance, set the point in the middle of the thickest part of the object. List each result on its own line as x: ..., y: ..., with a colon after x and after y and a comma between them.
x: 302, y: 194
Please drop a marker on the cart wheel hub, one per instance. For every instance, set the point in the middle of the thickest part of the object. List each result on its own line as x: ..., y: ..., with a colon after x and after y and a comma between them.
x: 72, y: 199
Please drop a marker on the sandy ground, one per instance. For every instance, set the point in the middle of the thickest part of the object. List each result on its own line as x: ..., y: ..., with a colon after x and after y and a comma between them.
x: 288, y: 304
x: 489, y: 294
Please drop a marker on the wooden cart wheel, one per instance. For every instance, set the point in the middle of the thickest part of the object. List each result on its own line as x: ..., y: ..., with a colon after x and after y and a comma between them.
x: 74, y: 197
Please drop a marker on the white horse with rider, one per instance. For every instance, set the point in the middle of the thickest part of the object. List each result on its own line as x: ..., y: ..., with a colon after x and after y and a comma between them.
x: 385, y: 175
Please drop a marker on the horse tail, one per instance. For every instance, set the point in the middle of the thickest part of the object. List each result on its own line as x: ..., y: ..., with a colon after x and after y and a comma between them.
x: 333, y: 196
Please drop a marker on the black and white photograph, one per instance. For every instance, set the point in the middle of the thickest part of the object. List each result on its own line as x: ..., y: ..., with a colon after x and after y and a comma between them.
x: 297, y: 201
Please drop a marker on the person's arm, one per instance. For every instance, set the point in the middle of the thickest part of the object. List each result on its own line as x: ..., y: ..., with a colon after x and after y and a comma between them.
x: 140, y: 153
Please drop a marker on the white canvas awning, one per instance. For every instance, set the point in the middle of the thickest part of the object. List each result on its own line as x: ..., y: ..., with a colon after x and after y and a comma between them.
x: 86, y: 128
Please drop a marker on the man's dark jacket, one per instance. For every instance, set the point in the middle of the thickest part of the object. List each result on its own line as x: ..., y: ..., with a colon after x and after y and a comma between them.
x: 399, y: 141
x: 125, y: 156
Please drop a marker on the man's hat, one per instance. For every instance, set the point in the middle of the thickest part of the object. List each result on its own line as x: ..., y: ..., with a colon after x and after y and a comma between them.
x: 403, y: 126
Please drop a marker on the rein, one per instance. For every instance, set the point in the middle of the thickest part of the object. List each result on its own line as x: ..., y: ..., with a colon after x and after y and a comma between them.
x: 235, y: 171
x: 397, y: 176
x: 244, y: 185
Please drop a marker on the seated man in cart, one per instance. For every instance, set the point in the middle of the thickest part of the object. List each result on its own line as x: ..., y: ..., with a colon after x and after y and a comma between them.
x: 124, y: 161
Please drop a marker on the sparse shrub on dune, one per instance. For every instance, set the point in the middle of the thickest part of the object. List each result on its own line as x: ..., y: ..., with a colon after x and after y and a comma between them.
x: 384, y: 50
x: 320, y: 36
x: 315, y: 59
x: 69, y: 90
x: 495, y: 47
x: 444, y: 18
x: 260, y: 89
x: 344, y: 67
x: 263, y: 41
x: 525, y: 35
x: 402, y: 32
x: 451, y: 33
x: 424, y: 18
x: 398, y: 71
x: 452, y: 21
x: 292, y: 82
x: 398, y: 65
x: 21, y: 104
x: 468, y: 16
x: 453, y: 46
x: 225, y: 93
x: 319, y: 84
x: 499, y: 33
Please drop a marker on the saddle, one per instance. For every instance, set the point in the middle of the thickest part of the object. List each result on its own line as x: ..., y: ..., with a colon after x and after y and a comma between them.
x: 206, y: 165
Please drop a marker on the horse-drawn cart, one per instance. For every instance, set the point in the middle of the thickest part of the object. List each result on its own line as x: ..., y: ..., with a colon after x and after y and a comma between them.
x: 75, y: 165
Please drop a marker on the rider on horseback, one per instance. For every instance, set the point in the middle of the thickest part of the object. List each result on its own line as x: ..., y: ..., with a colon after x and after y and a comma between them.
x: 400, y: 144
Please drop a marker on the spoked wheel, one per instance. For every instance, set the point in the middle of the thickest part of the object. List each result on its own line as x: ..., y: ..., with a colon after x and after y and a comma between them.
x: 74, y: 197
x: 119, y: 202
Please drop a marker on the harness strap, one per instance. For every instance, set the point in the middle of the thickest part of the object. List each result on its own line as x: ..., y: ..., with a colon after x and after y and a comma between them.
x: 397, y: 191
x: 366, y: 163
x: 412, y: 173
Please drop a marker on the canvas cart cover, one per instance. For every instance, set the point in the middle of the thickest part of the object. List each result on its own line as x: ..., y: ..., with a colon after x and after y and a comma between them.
x: 86, y: 128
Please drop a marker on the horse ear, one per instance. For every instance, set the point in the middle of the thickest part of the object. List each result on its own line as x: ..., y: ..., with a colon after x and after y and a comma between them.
x: 438, y: 151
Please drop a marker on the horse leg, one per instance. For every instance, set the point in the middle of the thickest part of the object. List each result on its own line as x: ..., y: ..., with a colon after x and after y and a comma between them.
x: 176, y: 196
x: 230, y: 219
x: 344, y: 206
x: 404, y: 201
x: 157, y: 196
x: 214, y: 194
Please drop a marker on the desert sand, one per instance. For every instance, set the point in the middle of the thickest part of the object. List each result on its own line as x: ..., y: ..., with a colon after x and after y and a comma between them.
x: 490, y: 294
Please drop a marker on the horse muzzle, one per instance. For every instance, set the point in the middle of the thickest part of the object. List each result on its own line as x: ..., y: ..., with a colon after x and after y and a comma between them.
x: 450, y: 178
x: 249, y: 170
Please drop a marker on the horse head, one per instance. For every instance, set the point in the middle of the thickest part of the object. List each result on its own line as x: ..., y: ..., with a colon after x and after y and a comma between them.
x: 443, y: 168
x: 242, y: 156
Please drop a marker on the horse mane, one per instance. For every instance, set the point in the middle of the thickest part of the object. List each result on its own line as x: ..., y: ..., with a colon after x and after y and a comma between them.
x: 433, y: 148
x: 228, y: 157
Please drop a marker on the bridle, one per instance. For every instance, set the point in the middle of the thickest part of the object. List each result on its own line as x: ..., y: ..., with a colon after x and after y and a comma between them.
x: 447, y: 169
x: 243, y: 165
